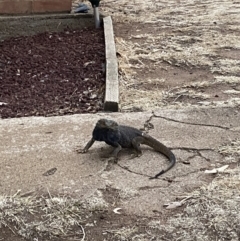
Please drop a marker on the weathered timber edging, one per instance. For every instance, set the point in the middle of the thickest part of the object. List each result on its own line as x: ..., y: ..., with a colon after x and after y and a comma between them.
x: 111, y: 101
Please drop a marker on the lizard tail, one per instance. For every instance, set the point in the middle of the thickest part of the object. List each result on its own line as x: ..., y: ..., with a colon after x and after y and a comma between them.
x: 172, y: 163
x: 158, y: 146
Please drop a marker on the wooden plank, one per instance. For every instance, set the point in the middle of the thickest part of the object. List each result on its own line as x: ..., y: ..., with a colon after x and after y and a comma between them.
x: 111, y: 101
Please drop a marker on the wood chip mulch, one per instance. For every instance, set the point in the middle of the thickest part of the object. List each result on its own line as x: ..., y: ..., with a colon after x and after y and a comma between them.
x: 52, y: 74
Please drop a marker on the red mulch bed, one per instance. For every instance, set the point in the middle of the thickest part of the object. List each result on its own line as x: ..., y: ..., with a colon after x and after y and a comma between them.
x: 52, y: 74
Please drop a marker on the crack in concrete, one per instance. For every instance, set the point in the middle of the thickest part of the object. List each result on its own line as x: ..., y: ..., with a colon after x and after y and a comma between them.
x: 151, y: 188
x: 192, y: 149
x: 197, y: 153
x: 148, y: 125
x: 165, y: 179
x: 148, y: 188
x: 137, y: 173
x: 189, y: 123
x: 192, y: 157
x: 205, y: 158
x: 186, y: 174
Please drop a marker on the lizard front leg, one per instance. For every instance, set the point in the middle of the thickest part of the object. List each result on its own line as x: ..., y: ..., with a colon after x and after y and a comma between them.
x: 85, y: 149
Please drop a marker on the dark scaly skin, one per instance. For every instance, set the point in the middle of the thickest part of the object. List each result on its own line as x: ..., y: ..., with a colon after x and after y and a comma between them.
x: 120, y: 136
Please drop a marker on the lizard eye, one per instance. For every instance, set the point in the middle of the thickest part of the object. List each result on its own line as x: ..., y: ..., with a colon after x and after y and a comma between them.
x: 100, y: 121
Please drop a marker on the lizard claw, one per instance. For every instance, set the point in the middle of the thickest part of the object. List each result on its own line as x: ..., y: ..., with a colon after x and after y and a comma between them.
x: 132, y: 156
x: 112, y: 159
x: 80, y: 150
x: 135, y: 155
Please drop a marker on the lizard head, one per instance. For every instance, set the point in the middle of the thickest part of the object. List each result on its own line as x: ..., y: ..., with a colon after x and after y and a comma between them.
x: 105, y: 123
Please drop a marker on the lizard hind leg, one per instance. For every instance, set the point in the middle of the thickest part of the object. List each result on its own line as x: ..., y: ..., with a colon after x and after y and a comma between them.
x: 136, y: 145
x: 114, y: 154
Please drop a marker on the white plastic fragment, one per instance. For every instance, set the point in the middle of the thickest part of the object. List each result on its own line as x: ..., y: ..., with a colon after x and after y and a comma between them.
x: 115, y: 210
x: 173, y: 205
x: 177, y: 203
x: 3, y: 103
x: 217, y: 170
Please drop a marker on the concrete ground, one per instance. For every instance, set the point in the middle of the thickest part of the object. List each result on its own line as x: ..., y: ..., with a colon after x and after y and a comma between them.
x: 32, y: 146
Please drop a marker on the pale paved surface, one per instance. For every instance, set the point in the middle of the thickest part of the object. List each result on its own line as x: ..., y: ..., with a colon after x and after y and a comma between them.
x: 31, y: 146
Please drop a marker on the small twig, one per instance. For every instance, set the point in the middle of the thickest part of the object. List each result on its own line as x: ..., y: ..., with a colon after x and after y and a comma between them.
x: 83, y: 233
x: 26, y: 194
x: 49, y: 193
x: 73, y: 93
x: 176, y: 98
x: 59, y: 25
x: 17, y: 193
x: 10, y: 228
